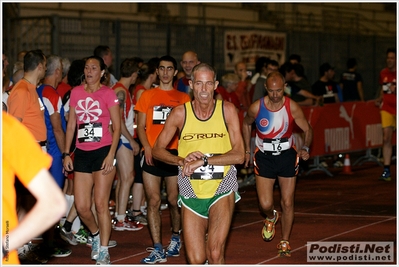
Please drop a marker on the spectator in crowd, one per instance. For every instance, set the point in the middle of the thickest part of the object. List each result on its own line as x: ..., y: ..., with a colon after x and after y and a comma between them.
x: 54, y: 116
x: 225, y: 90
x: 105, y: 53
x: 63, y: 86
x: 22, y: 157
x: 325, y: 86
x: 297, y: 87
x: 207, y: 203
x: 147, y: 76
x: 153, y: 108
x: 351, y: 83
x: 127, y: 147
x: 188, y: 61
x: 294, y: 59
x: 276, y: 156
x: 387, y: 102
x: 268, y: 67
x: 25, y: 105
x: 260, y: 62
x: 243, y: 86
x: 93, y: 107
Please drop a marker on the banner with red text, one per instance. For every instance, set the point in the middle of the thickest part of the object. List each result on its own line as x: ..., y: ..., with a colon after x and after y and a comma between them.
x: 344, y: 127
x: 248, y: 46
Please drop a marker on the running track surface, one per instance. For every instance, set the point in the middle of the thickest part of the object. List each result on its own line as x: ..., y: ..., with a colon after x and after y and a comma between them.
x: 344, y: 207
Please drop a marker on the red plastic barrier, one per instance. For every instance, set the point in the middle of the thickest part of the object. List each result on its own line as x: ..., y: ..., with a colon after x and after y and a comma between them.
x: 344, y: 127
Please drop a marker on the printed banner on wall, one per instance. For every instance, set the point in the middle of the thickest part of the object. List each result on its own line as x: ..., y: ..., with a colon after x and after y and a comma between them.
x: 344, y: 127
x: 248, y: 46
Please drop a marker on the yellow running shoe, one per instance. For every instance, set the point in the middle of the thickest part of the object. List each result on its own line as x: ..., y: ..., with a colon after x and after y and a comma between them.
x: 268, y: 230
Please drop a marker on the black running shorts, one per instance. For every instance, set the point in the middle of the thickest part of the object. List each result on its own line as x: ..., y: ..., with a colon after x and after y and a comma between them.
x: 160, y: 168
x: 90, y: 161
x: 284, y: 165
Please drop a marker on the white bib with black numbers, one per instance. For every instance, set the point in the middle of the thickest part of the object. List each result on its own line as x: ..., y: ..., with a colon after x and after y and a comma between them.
x: 275, y: 145
x: 208, y: 172
x: 160, y: 114
x: 90, y: 132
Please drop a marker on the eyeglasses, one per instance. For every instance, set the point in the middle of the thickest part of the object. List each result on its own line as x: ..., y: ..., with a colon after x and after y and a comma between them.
x: 208, y: 85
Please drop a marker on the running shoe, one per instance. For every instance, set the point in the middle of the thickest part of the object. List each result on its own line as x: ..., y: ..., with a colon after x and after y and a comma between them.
x: 385, y: 176
x: 111, y: 243
x: 61, y: 252
x: 173, y: 249
x: 81, y: 236
x: 155, y: 256
x: 68, y: 236
x: 138, y: 218
x: 103, y: 258
x: 95, y: 247
x: 128, y: 225
x: 269, y: 230
x: 284, y: 249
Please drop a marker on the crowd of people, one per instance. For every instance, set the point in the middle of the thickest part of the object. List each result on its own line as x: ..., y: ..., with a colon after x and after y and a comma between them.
x: 143, y: 135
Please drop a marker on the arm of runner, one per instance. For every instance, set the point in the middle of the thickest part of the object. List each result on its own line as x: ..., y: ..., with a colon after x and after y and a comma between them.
x: 108, y: 163
x: 247, y: 129
x: 68, y: 164
x: 173, y: 123
x: 141, y: 119
x: 301, y: 121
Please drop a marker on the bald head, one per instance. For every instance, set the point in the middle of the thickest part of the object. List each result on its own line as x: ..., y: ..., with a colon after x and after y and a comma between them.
x: 273, y: 78
x: 189, y: 60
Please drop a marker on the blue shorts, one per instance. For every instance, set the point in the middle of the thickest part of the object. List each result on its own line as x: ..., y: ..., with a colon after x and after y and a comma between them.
x: 269, y: 166
x: 57, y: 171
x: 127, y: 145
x: 201, y: 206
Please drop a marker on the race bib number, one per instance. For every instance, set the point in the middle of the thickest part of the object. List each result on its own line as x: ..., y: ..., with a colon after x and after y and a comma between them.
x: 90, y: 132
x: 160, y: 114
x: 208, y: 172
x: 275, y: 145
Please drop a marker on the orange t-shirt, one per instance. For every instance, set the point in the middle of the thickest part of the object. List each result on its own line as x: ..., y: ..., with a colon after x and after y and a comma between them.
x: 17, y: 139
x: 23, y: 102
x: 157, y: 104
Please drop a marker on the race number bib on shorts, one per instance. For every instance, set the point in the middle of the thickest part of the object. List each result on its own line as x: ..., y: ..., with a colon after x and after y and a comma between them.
x: 275, y: 145
x: 90, y: 132
x: 160, y: 114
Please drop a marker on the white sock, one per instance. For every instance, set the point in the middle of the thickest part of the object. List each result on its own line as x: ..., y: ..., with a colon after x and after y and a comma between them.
x: 69, y: 199
x: 121, y: 217
x: 76, y: 225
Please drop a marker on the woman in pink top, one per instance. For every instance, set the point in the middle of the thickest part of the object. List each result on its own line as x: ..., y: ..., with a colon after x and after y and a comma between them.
x: 93, y: 108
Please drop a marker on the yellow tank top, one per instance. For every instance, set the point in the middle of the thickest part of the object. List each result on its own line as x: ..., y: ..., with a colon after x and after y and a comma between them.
x: 208, y: 136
